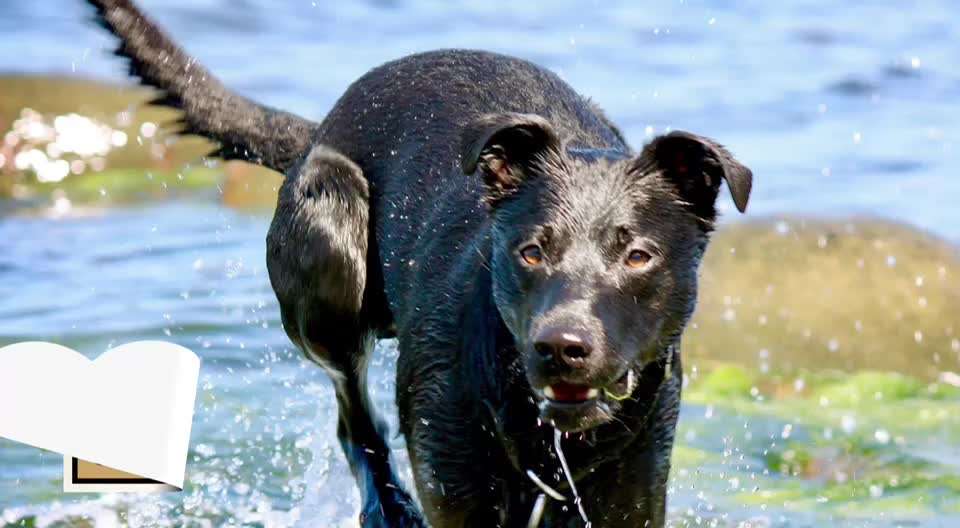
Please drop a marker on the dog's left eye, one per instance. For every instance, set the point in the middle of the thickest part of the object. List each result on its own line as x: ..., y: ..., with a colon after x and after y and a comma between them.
x: 638, y: 258
x: 532, y: 255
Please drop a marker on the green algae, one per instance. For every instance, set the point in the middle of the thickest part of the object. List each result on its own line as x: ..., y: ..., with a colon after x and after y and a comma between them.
x: 844, y: 447
x: 730, y: 381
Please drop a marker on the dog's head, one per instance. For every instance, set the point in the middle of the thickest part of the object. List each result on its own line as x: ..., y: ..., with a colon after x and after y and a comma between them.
x: 595, y: 253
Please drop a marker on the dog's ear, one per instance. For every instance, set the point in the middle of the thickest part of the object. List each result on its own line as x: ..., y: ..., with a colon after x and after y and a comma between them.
x: 502, y: 147
x: 696, y: 165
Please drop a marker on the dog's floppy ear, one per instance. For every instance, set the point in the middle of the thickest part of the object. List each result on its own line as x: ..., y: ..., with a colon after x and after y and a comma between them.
x: 501, y: 147
x: 696, y: 165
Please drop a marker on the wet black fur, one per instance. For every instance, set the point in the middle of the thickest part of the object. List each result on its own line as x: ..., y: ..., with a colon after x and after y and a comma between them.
x: 401, y: 215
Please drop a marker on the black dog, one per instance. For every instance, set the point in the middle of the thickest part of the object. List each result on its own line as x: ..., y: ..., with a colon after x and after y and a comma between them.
x: 537, y: 273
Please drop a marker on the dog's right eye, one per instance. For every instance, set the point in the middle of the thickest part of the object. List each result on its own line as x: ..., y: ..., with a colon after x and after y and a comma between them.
x: 532, y: 255
x: 638, y: 258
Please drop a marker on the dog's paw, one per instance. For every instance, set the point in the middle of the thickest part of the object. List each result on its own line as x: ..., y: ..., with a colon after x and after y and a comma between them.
x: 396, y: 510
x: 379, y: 518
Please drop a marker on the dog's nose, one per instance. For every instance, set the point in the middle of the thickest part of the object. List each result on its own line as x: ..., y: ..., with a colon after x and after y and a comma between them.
x: 564, y: 345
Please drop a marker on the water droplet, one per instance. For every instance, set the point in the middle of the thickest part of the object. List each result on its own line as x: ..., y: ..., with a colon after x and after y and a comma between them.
x: 882, y: 436
x: 848, y: 423
x: 787, y: 430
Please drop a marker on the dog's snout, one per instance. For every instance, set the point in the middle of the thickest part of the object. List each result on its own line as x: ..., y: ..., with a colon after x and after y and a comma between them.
x: 565, y: 346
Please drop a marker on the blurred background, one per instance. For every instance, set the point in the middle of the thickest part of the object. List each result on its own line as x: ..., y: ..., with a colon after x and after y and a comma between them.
x: 822, y: 383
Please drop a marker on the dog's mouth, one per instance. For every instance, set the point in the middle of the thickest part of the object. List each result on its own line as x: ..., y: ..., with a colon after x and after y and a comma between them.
x: 577, y: 407
x: 563, y: 392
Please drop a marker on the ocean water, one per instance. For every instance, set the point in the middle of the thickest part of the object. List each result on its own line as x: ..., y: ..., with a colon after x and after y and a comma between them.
x: 840, y: 109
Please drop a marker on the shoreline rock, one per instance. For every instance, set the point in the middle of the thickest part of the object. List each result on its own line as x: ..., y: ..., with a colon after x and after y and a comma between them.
x: 805, y: 293
x: 66, y: 136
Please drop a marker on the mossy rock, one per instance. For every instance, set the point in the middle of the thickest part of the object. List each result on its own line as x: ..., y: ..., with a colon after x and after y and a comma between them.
x: 726, y: 381
x: 134, y: 171
x: 73, y: 521
x: 23, y: 522
x: 51, y: 96
x: 794, y: 460
x: 788, y: 294
x: 869, y: 386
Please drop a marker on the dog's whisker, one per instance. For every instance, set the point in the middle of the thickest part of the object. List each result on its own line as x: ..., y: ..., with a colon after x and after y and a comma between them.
x: 483, y: 260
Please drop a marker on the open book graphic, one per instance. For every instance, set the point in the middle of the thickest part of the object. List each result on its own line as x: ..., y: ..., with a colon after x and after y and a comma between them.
x: 122, y: 421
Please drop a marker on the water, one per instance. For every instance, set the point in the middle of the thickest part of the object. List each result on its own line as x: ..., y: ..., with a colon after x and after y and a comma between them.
x: 192, y: 273
x: 839, y: 108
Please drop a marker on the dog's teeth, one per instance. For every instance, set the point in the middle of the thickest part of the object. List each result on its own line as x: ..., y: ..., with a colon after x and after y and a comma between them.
x: 593, y: 393
x: 548, y: 392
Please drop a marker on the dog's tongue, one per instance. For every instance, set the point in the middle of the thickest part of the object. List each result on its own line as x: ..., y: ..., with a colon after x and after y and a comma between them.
x: 568, y: 392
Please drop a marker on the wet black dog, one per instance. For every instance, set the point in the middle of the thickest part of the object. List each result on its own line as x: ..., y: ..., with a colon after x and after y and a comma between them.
x: 537, y: 273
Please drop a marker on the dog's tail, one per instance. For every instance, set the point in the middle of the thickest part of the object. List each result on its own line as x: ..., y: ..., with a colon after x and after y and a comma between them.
x: 244, y: 129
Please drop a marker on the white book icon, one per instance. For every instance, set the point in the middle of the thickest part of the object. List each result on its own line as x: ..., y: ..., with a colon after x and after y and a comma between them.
x: 128, y: 411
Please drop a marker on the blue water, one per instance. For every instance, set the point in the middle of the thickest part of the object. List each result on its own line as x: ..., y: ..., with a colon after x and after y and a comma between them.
x: 787, y: 85
x: 840, y: 109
